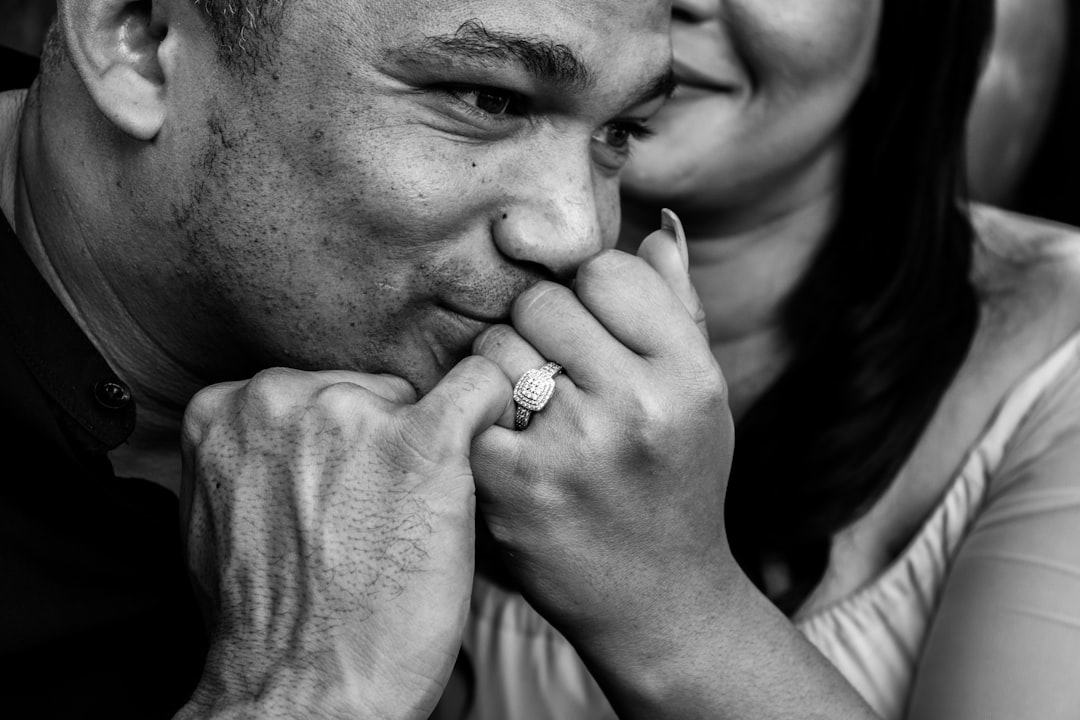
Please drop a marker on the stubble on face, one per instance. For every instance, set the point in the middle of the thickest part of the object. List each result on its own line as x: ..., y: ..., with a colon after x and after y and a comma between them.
x: 344, y: 218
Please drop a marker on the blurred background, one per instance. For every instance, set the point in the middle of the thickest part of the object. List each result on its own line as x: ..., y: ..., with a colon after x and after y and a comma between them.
x: 1023, y: 150
x: 23, y: 23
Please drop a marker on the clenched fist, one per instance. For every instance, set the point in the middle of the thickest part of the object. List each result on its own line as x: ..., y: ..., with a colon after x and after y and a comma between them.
x: 329, y: 525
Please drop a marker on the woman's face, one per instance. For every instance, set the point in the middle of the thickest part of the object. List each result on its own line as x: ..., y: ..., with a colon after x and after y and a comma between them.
x: 764, y: 86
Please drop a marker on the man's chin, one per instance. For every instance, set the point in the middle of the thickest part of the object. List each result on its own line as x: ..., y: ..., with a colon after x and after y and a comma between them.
x: 425, y: 379
x: 426, y: 369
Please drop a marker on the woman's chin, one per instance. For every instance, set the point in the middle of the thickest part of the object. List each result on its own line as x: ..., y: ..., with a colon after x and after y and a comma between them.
x: 654, y: 177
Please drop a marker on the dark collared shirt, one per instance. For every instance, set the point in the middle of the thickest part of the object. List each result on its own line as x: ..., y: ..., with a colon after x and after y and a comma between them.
x: 97, y: 619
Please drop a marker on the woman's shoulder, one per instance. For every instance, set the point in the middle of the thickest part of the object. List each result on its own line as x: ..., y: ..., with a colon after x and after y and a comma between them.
x: 1027, y: 268
x: 1016, y: 243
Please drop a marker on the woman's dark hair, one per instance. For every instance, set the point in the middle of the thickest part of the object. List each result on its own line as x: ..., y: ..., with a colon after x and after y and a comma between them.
x: 886, y: 313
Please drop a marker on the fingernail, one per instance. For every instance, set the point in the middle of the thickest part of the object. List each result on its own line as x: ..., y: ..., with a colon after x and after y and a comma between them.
x: 670, y: 221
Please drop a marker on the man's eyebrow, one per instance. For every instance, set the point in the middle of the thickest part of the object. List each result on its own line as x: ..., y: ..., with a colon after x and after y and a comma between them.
x: 473, y: 44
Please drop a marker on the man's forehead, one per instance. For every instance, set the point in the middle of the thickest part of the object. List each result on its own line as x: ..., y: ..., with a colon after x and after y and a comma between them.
x: 573, y: 45
x: 474, y: 44
x: 639, y: 13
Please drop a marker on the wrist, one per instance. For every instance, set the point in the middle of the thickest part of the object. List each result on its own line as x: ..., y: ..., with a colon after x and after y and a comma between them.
x: 325, y: 683
x: 668, y: 663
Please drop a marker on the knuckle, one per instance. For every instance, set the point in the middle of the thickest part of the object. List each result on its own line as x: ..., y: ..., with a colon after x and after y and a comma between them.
x: 606, y: 263
x: 666, y: 416
x: 269, y: 395
x: 540, y: 298
x: 201, y: 410
x: 268, y: 383
x: 714, y: 384
x: 493, y: 339
x: 482, y: 371
x: 340, y: 399
x: 416, y: 447
x: 478, y: 365
x: 651, y: 423
x: 699, y: 375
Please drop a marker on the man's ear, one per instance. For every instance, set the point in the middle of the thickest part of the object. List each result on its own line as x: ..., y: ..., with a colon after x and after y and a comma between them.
x: 114, y: 45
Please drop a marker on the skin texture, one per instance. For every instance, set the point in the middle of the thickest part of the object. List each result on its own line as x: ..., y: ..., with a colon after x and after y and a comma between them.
x: 748, y: 154
x: 367, y: 203
x: 345, y: 209
x: 752, y: 165
x: 353, y: 209
x: 1011, y: 110
x: 315, y: 605
x: 610, y: 504
x: 358, y: 210
x: 764, y: 88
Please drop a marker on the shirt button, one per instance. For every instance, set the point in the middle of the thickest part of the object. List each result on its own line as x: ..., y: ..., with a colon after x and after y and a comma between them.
x: 112, y: 394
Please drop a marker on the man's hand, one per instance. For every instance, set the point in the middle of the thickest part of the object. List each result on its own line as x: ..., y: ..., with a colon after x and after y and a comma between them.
x: 329, y: 524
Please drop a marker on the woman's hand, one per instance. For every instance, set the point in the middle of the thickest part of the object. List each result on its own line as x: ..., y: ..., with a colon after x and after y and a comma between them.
x: 609, y: 505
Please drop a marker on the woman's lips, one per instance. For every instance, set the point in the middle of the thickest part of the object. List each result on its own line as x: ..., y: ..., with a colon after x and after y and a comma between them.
x: 690, y: 75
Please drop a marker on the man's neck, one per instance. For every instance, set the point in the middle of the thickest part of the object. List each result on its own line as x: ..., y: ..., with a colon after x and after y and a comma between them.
x: 743, y: 275
x: 60, y: 241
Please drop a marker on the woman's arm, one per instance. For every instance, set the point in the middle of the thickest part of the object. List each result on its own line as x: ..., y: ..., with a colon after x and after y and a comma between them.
x: 610, y: 505
x: 1005, y: 642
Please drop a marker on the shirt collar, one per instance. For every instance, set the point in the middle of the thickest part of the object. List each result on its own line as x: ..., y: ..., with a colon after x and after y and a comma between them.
x: 56, y: 351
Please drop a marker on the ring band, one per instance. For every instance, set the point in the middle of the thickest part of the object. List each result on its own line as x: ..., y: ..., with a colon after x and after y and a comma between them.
x: 533, y: 391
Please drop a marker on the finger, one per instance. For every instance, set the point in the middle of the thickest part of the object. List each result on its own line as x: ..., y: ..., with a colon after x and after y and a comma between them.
x: 212, y: 400
x: 665, y: 249
x: 635, y: 305
x: 202, y: 408
x: 494, y: 471
x: 468, y: 400
x: 666, y: 252
x: 502, y: 345
x: 388, y: 387
x: 554, y: 321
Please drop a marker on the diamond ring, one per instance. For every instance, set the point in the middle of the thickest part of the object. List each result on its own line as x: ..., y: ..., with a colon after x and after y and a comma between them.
x: 532, y: 392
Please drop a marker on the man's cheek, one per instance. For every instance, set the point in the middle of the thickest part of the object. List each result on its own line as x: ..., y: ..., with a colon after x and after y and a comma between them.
x: 608, y: 208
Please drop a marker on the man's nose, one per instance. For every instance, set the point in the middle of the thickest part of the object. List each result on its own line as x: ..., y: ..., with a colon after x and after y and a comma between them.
x: 560, y: 213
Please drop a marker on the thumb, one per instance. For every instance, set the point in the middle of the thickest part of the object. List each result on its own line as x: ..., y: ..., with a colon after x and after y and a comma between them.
x: 467, y: 401
x: 666, y: 252
x: 388, y: 387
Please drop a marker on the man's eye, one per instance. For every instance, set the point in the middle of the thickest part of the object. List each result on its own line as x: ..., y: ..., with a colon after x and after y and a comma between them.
x: 618, y: 135
x: 489, y: 100
x: 613, y: 142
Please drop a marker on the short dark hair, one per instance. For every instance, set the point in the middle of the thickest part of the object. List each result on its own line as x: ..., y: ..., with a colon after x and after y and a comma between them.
x: 886, y: 313
x: 246, y: 29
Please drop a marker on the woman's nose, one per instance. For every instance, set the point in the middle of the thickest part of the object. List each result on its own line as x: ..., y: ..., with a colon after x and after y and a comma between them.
x: 694, y: 11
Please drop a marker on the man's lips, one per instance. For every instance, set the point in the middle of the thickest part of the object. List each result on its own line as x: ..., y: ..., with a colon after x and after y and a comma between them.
x: 478, y: 317
x: 459, y: 328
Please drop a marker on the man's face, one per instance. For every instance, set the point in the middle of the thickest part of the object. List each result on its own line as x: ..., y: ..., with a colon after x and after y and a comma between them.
x: 404, y: 169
